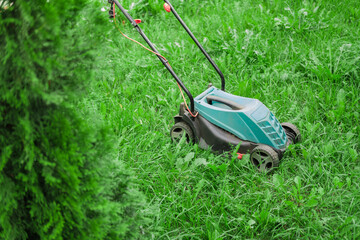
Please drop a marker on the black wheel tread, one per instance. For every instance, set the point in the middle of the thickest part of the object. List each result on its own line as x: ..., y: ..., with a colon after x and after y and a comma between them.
x: 293, y: 129
x: 269, y: 152
x: 184, y: 126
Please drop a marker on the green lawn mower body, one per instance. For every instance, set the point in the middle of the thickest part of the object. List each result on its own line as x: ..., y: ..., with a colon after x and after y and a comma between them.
x: 227, y: 121
x: 246, y: 118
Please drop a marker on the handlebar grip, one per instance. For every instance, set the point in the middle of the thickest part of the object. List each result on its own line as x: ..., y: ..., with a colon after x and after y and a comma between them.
x: 232, y: 104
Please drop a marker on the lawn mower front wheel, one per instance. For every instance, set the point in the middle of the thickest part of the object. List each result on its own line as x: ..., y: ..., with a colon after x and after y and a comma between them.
x: 264, y: 158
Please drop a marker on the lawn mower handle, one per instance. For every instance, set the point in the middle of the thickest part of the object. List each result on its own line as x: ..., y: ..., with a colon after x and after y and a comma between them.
x: 198, y: 44
x: 166, y: 64
x: 233, y: 105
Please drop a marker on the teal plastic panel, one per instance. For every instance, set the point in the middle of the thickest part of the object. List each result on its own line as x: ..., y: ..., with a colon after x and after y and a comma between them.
x: 254, y: 122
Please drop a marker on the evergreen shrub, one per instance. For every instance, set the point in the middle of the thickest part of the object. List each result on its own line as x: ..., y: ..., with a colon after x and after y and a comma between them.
x: 59, y: 173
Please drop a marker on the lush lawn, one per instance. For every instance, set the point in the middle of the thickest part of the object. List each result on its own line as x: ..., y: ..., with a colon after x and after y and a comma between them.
x: 300, y: 59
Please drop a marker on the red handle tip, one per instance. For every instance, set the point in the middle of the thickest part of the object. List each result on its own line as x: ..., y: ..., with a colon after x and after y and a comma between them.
x: 167, y: 7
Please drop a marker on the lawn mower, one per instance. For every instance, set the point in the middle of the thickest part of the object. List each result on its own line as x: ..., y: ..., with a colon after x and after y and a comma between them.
x: 222, y: 121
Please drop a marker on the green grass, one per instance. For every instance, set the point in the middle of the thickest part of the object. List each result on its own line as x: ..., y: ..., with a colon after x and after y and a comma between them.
x: 300, y: 58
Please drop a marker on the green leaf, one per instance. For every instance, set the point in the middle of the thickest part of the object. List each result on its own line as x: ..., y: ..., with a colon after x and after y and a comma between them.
x: 278, y: 181
x: 312, y: 203
x: 179, y: 163
x: 289, y: 203
x: 251, y: 222
x: 200, y: 161
x: 189, y: 156
x: 297, y: 181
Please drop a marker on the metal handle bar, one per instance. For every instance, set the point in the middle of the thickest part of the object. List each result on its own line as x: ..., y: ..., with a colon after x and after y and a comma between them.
x: 198, y: 44
x: 165, y: 63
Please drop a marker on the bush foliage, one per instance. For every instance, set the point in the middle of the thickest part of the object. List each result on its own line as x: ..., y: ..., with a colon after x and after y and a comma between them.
x: 59, y: 175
